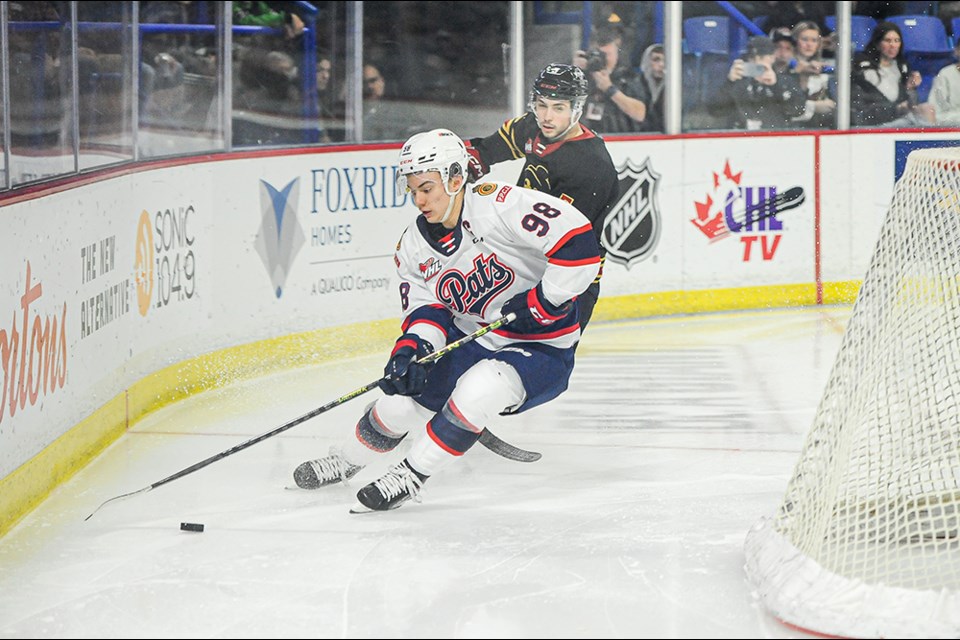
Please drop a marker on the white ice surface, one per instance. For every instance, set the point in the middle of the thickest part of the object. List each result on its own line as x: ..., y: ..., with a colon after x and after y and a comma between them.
x: 675, y: 436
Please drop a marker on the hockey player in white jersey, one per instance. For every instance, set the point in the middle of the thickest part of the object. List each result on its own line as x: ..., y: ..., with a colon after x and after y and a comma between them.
x: 474, y: 254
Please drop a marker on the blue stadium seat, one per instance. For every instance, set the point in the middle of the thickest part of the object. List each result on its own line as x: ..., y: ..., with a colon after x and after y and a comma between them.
x: 707, y: 35
x: 706, y: 47
x: 712, y: 35
x: 861, y: 28
x: 708, y: 53
x: 925, y: 34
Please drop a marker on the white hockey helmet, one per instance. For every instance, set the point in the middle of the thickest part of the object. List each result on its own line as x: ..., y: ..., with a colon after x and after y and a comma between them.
x: 437, y: 150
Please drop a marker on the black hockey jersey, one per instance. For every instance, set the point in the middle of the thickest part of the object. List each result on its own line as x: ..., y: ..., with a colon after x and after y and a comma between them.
x: 579, y: 170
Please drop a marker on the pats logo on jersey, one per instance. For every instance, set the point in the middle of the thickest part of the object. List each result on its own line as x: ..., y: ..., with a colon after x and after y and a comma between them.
x: 632, y: 228
x: 471, y: 292
x: 430, y: 268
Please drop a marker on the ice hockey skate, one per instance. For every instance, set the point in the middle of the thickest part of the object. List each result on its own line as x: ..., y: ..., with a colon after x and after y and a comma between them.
x: 334, y: 468
x: 390, y: 491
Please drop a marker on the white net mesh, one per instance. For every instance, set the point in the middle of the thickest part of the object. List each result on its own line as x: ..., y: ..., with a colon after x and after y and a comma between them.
x: 867, y: 540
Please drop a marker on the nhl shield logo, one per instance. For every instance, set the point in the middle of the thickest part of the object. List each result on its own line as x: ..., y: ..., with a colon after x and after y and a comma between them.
x: 632, y: 228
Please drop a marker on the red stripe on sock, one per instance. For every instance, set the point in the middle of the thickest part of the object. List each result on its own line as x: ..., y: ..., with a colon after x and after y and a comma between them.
x: 439, y: 442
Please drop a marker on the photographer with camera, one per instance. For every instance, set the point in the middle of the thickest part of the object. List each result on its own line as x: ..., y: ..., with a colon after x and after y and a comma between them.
x: 617, y: 101
x: 760, y: 97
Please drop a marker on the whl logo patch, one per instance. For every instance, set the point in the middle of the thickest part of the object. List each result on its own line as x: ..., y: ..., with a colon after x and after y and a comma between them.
x: 631, y: 229
x: 430, y: 268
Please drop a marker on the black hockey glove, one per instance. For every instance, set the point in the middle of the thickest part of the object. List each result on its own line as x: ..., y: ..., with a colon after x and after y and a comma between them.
x: 476, y: 167
x: 402, y: 375
x: 534, y: 311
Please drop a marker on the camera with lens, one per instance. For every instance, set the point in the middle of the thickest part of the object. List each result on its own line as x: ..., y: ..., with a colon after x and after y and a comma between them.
x: 596, y: 60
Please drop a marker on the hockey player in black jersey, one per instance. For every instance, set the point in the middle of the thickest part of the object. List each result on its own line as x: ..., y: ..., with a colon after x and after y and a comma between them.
x: 562, y: 157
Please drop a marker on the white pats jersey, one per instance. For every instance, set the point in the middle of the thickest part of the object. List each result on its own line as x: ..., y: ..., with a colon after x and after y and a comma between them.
x: 507, y: 240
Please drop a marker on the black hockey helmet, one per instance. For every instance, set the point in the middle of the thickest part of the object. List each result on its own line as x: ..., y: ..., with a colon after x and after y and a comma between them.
x: 561, y: 82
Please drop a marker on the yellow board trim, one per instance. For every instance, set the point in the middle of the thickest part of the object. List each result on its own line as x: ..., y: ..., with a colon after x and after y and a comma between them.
x: 712, y: 300
x: 31, y: 483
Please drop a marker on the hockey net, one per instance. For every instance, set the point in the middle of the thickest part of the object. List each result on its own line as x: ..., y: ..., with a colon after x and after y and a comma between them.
x: 866, y: 542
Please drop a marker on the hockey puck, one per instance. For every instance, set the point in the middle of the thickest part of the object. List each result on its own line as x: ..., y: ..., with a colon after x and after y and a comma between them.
x: 191, y: 526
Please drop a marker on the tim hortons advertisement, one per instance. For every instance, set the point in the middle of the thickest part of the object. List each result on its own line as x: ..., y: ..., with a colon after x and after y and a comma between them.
x: 57, y: 290
x: 96, y: 307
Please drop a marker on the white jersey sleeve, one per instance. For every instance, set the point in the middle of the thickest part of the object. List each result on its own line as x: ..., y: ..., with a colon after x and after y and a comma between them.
x: 423, y: 314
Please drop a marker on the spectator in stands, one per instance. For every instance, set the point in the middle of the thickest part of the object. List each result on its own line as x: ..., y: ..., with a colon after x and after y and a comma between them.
x: 762, y: 98
x: 264, y: 14
x: 809, y: 55
x: 330, y: 110
x: 382, y: 118
x: 811, y: 70
x: 653, y: 72
x: 883, y: 88
x: 785, y: 49
x: 160, y: 51
x: 944, y: 97
x: 195, y: 51
x: 324, y: 74
x: 269, y: 77
x: 617, y: 100
x: 282, y: 26
x: 267, y: 106
x: 828, y: 47
x: 157, y: 79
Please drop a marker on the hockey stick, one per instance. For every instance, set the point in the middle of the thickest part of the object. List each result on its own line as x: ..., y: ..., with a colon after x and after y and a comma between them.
x: 490, y: 441
x: 789, y: 199
x: 505, y: 449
